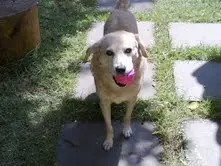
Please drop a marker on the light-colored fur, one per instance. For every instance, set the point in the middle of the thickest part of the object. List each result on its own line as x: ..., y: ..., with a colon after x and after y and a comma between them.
x: 118, y: 36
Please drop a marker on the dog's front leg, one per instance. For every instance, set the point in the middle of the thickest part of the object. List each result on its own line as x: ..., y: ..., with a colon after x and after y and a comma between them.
x: 127, y: 132
x: 105, y: 106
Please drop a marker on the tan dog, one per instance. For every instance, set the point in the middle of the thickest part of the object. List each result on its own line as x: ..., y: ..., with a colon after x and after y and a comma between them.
x: 118, y: 52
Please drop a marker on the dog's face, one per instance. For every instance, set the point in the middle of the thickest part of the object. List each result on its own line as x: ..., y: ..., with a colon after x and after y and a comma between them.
x: 118, y: 51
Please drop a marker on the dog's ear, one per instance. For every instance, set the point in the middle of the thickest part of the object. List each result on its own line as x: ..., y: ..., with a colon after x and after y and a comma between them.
x: 141, y: 47
x: 91, y: 50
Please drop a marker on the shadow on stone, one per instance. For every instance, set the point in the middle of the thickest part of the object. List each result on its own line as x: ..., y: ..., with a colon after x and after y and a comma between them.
x: 92, y: 97
x: 197, y: 80
x: 209, y: 76
x: 81, y: 144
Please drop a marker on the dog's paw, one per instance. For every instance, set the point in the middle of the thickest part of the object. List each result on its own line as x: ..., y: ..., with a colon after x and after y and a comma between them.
x: 127, y: 132
x: 107, y: 145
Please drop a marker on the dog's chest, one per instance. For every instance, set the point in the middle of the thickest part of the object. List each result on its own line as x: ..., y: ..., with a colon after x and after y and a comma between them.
x: 120, y: 95
x: 118, y: 98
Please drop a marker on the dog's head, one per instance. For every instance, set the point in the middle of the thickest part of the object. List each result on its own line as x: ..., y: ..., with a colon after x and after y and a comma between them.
x: 119, y: 51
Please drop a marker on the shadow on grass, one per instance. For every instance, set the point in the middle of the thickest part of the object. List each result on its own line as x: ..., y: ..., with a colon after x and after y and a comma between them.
x: 78, y: 141
x: 31, y: 139
x: 32, y: 88
x: 33, y: 105
x: 57, y: 20
x: 89, y: 109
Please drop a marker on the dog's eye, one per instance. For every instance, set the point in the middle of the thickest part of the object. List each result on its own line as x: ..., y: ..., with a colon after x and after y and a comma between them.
x: 109, y: 53
x: 128, y: 50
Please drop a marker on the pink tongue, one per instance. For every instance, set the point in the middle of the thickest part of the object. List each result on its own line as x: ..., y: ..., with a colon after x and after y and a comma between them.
x: 125, y: 79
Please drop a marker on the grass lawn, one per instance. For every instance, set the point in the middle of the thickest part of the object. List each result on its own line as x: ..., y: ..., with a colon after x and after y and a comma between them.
x: 36, y: 93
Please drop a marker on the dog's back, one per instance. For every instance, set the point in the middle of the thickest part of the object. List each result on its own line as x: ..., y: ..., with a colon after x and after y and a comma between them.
x: 121, y: 19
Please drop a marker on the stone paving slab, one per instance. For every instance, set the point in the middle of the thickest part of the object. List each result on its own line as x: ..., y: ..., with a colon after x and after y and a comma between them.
x: 85, y: 87
x: 81, y: 145
x: 135, y: 5
x: 195, y: 34
x: 197, y: 80
x: 145, y: 28
x: 203, y: 138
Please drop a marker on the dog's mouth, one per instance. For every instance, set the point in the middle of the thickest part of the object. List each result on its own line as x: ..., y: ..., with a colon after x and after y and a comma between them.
x: 123, y: 79
x: 119, y: 84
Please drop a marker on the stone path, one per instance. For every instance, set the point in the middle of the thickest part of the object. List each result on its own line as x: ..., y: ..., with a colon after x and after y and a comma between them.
x: 194, y: 81
x: 203, y: 138
x: 81, y: 145
x: 135, y: 5
x: 197, y: 80
x: 195, y: 34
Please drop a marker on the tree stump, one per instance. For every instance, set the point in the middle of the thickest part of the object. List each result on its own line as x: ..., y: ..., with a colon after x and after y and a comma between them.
x: 19, y: 28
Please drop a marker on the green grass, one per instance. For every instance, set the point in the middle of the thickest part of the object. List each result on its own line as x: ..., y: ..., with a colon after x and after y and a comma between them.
x: 172, y: 109
x: 36, y: 92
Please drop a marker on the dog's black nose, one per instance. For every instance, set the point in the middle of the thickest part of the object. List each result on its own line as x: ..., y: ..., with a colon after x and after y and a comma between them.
x: 120, y: 70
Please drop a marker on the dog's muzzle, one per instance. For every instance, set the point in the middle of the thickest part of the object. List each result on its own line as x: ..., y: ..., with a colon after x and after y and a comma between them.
x: 124, y: 79
x: 119, y: 84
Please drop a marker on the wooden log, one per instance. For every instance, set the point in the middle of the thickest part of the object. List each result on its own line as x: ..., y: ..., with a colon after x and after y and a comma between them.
x: 19, y: 34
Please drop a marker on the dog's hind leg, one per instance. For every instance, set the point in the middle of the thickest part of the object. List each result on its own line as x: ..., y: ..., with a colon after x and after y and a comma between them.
x: 127, y: 132
x: 105, y: 106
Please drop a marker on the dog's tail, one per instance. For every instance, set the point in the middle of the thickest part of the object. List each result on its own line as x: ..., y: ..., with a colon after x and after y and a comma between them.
x: 122, y: 4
